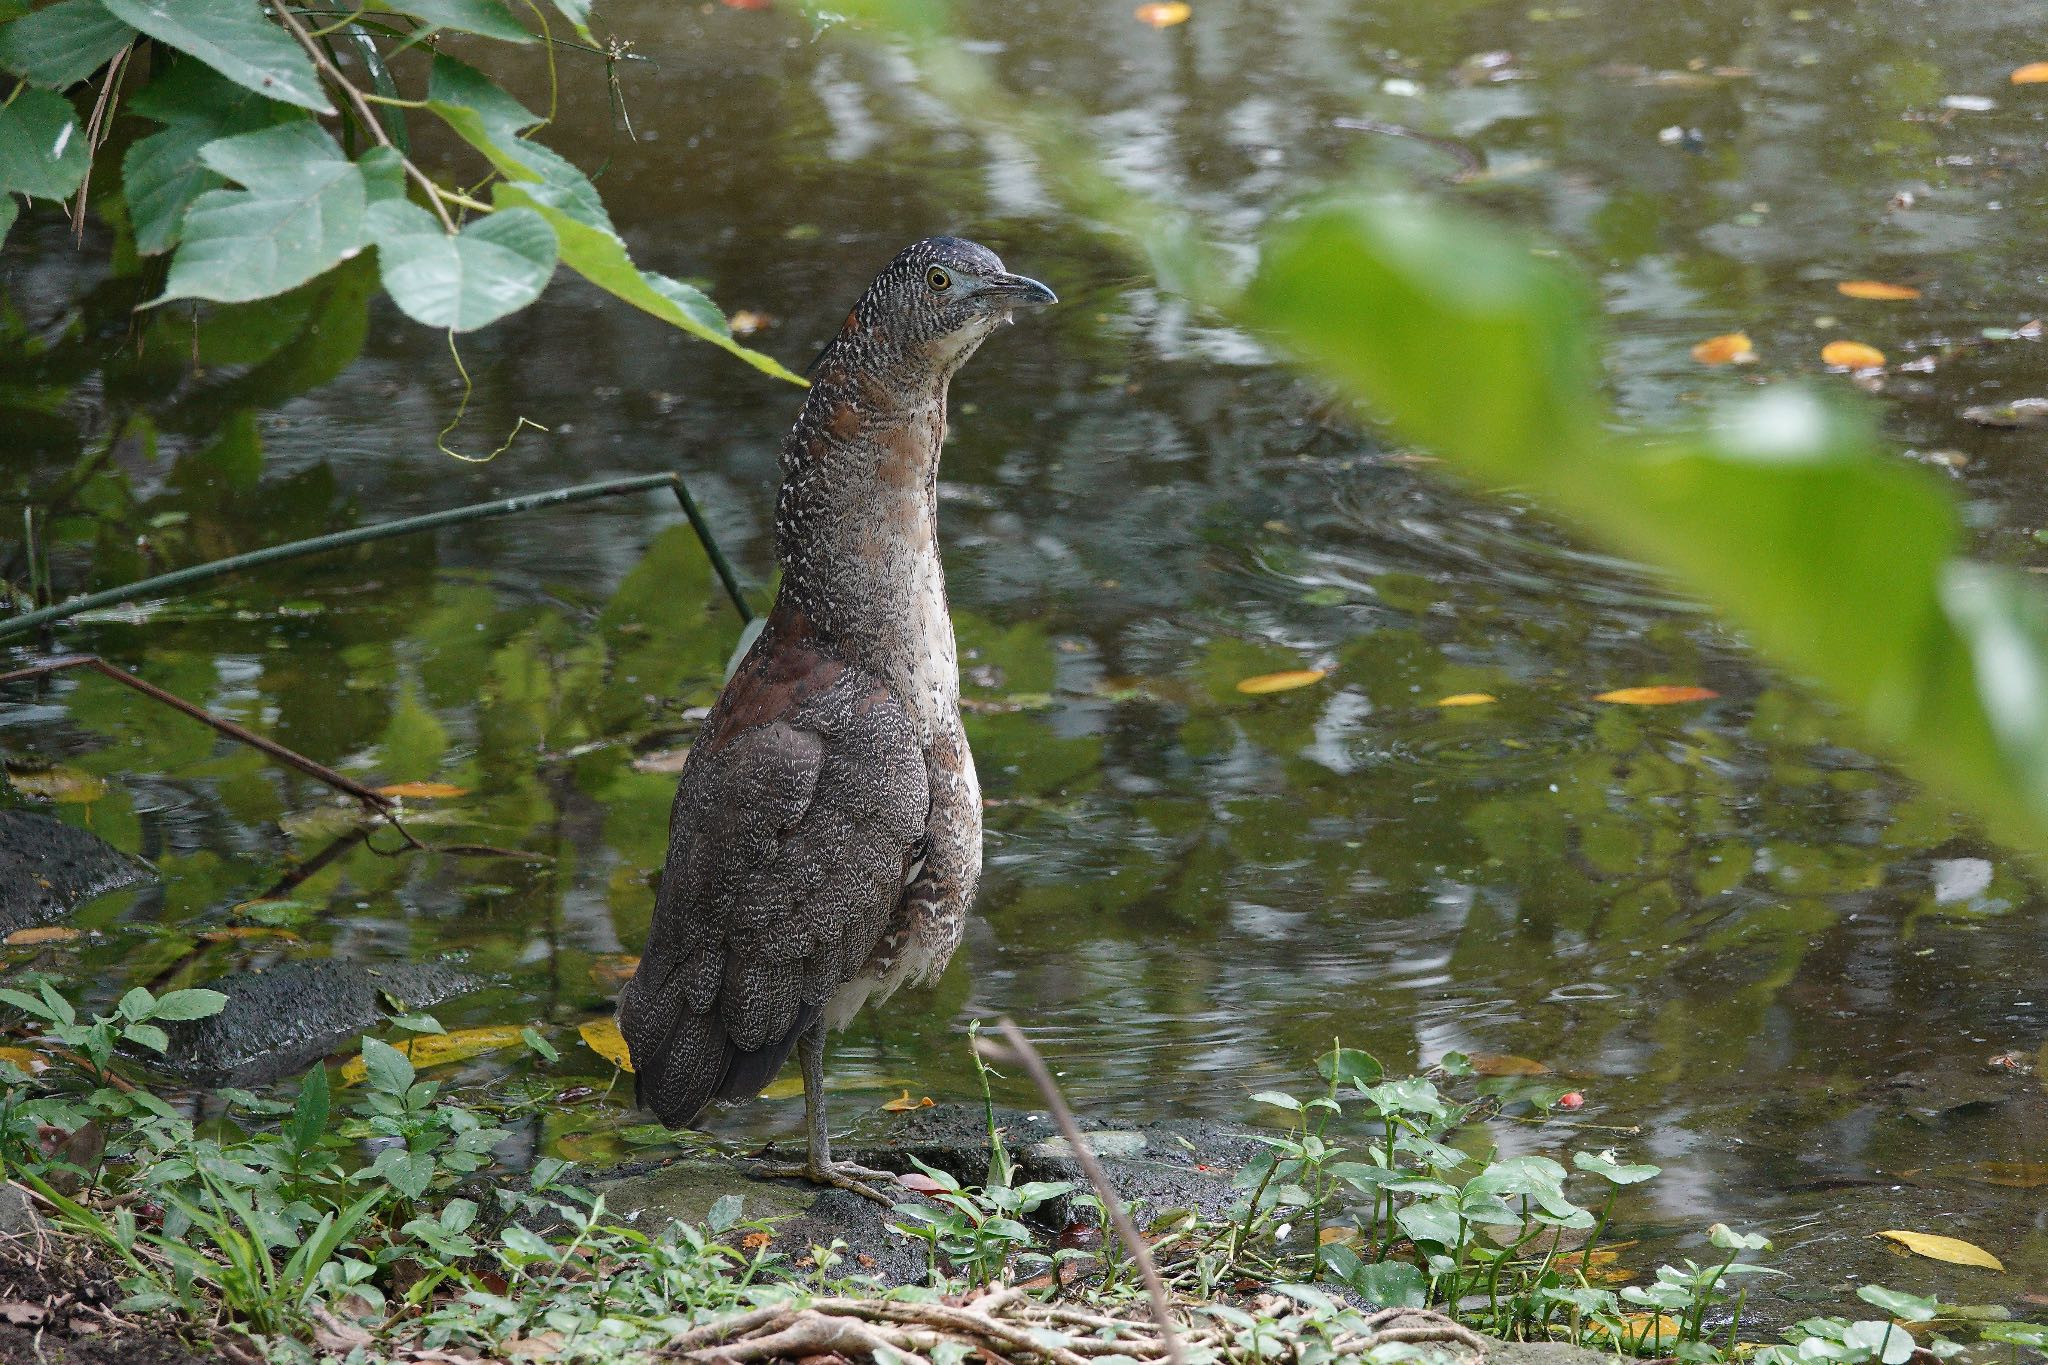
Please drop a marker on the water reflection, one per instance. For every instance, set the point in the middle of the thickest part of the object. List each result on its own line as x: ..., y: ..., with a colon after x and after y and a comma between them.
x: 1786, y: 967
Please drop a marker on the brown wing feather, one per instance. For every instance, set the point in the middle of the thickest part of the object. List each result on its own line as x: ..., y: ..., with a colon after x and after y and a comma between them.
x: 792, y: 824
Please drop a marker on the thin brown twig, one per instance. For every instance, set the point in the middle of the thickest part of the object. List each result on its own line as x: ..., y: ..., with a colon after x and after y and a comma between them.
x: 363, y: 111
x: 96, y: 136
x: 1034, y: 1066
x: 319, y: 772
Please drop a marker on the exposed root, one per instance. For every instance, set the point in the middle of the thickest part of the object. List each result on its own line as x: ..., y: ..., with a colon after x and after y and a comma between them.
x: 1006, y: 1327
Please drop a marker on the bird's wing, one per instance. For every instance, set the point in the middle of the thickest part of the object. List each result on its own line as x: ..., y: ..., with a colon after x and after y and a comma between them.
x: 797, y: 815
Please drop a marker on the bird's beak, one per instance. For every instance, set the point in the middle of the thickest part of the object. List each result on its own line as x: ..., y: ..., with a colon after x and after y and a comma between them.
x: 1021, y: 291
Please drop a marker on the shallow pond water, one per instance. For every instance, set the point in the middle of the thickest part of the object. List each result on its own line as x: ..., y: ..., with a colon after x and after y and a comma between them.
x: 1767, y: 962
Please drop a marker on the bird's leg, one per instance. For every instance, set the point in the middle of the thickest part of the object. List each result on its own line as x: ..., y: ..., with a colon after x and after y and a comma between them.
x: 820, y: 1169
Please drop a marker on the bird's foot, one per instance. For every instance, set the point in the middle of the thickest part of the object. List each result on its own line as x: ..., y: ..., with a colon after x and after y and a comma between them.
x: 838, y: 1175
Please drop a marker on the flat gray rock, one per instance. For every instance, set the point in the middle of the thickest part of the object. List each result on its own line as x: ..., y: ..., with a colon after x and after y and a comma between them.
x: 281, y: 1020
x: 48, y: 869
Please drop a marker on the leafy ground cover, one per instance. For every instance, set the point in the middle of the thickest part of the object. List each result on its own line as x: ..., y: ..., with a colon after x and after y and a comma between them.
x: 366, y: 1214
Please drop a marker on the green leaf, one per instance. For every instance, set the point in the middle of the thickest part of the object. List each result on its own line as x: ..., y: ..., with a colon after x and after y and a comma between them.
x: 300, y: 214
x: 489, y: 18
x: 1391, y: 1284
x: 1728, y: 1239
x: 1910, y: 1307
x: 386, y: 1067
x: 62, y: 45
x: 453, y: 82
x: 197, y: 1003
x: 138, y: 1004
x: 1438, y: 290
x: 538, y: 179
x: 1349, y: 1066
x: 234, y: 38
x: 161, y: 174
x: 577, y: 12
x: 309, y: 1115
x: 1607, y: 1168
x: 149, y: 1036
x: 42, y: 148
x: 494, y: 266
x: 10, y: 209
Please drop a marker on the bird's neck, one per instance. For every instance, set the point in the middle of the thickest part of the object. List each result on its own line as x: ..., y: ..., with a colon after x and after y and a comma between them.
x: 856, y: 530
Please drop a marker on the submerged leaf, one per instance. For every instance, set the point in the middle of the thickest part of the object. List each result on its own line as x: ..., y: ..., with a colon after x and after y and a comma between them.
x: 1730, y: 348
x: 1876, y: 289
x: 66, y: 786
x: 1164, y: 13
x: 1953, y: 1250
x: 48, y: 933
x: 1852, y: 355
x: 1506, y: 1064
x: 1664, y: 694
x: 1285, y: 681
x: 1467, y: 699
x: 422, y: 791
x: 438, y: 1049
x: 602, y: 1036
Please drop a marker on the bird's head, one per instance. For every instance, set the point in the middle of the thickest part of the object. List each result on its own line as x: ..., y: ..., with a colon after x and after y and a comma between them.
x: 940, y: 298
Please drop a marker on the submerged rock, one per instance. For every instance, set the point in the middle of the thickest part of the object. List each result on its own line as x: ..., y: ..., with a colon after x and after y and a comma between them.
x: 280, y: 1021
x: 48, y: 869
x: 1174, y: 1164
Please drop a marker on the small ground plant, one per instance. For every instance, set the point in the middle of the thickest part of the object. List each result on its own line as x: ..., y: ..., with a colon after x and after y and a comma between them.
x: 372, y: 1221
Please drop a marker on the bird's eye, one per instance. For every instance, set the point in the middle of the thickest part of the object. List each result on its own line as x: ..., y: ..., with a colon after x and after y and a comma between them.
x: 938, y: 279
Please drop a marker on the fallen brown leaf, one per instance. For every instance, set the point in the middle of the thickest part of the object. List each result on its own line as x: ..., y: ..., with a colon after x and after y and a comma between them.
x: 1663, y: 694
x: 1730, y: 348
x: 1876, y: 289
x: 48, y: 933
x: 1852, y: 355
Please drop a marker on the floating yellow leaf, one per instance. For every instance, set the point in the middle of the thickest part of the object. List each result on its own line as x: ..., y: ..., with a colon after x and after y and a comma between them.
x: 1280, y: 682
x: 1661, y: 695
x: 49, y: 933
x: 601, y: 1035
x: 235, y: 932
x: 1164, y: 13
x: 2013, y: 1175
x: 1467, y: 699
x: 613, y: 970
x: 438, y: 1049
x: 66, y: 786
x: 1877, y: 289
x: 1953, y: 1250
x: 1506, y: 1064
x: 1852, y: 355
x: 31, y: 1062
x: 2033, y: 73
x: 1730, y: 348
x: 422, y: 791
x: 903, y: 1104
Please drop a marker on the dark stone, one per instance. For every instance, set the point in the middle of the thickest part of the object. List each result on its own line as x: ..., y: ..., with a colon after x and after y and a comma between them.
x: 1174, y: 1164
x: 280, y: 1021
x: 49, y: 868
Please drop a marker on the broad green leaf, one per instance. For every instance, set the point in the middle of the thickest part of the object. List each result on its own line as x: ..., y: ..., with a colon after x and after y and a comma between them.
x: 1391, y: 298
x: 1728, y: 1239
x: 538, y: 179
x: 62, y: 45
x: 494, y: 266
x: 1349, y: 1066
x: 1390, y: 1284
x: 10, y: 209
x: 1607, y: 1168
x: 235, y: 38
x: 149, y: 1036
x: 161, y: 174
x: 197, y: 1003
x: 1911, y: 1307
x: 490, y: 18
x: 577, y: 12
x: 386, y: 1067
x: 42, y: 148
x: 300, y: 213
x: 453, y: 82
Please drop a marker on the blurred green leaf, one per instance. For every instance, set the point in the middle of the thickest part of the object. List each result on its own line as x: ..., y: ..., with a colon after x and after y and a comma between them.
x: 496, y: 265
x: 235, y: 38
x: 300, y: 213
x: 453, y: 82
x: 63, y: 44
x: 42, y: 148
x: 577, y: 12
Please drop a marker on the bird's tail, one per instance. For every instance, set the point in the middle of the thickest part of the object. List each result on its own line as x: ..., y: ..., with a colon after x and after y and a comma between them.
x: 683, y: 1060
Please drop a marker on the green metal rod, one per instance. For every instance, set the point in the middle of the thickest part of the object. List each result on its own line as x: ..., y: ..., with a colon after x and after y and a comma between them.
x: 454, y: 516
